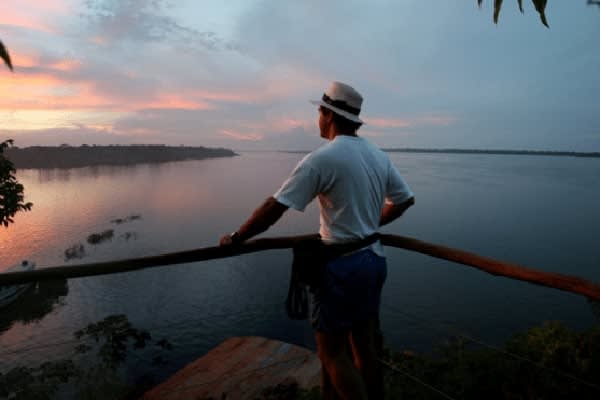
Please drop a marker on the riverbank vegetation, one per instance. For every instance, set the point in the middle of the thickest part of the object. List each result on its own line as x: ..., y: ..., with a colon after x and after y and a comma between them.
x: 94, y: 369
x: 66, y: 156
x: 12, y: 198
x: 548, y: 362
x: 500, y: 151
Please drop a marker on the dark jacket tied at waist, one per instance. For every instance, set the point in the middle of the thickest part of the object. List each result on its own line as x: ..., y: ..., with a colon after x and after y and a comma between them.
x: 308, y: 267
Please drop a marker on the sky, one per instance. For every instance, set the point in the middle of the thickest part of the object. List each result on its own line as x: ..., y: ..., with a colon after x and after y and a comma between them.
x: 239, y: 73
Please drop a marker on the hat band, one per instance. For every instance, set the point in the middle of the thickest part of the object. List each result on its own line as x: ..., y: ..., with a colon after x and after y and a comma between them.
x: 342, y: 105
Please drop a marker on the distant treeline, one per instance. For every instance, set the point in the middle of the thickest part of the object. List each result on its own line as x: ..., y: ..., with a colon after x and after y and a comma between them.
x: 83, y: 156
x: 475, y: 151
x: 514, y: 152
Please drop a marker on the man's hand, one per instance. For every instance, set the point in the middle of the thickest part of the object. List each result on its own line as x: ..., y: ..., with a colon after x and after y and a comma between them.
x: 391, y: 212
x: 226, y: 241
x: 230, y: 239
x: 262, y: 218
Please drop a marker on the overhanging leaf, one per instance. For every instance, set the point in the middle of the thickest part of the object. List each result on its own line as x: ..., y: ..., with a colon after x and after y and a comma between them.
x: 5, y: 56
x: 540, y: 7
x: 497, y: 7
x: 521, y: 6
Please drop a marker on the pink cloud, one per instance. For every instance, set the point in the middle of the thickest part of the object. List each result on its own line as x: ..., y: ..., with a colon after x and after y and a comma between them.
x: 436, y: 120
x: 55, y: 6
x: 388, y: 122
x: 174, y: 101
x: 65, y: 65
x: 52, y: 86
x: 28, y: 63
x: 21, y: 21
x: 240, y: 96
x: 253, y: 137
x: 99, y: 40
x: 276, y: 86
x: 369, y: 133
x: 34, y: 16
x: 46, y: 91
x: 281, y: 124
x: 20, y: 59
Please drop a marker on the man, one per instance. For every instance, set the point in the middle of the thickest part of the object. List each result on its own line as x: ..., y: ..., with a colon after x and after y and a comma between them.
x: 359, y: 190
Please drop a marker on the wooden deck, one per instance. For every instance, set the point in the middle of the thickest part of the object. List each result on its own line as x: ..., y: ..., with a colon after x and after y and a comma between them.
x: 241, y: 367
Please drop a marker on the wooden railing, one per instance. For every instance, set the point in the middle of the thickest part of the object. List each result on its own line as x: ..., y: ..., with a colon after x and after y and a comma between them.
x: 558, y: 281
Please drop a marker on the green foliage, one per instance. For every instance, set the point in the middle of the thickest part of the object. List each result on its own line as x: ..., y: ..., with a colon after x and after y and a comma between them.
x: 114, y: 333
x: 289, y: 390
x: 283, y: 391
x: 5, y: 56
x: 36, y: 383
x: 110, y: 339
x: 540, y: 7
x: 546, y: 362
x: 11, y: 191
x: 107, y: 344
x: 595, y: 306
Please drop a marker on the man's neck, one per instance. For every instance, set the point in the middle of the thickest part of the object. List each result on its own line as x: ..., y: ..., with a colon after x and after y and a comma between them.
x: 333, y: 134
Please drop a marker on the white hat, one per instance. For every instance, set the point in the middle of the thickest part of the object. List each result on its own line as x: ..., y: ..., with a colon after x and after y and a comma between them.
x: 342, y: 99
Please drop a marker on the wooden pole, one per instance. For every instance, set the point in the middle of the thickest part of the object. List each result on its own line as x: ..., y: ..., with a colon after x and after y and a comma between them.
x: 558, y: 281
x: 111, y: 267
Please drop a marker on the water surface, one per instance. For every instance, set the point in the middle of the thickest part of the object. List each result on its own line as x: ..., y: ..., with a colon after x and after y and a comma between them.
x: 537, y: 211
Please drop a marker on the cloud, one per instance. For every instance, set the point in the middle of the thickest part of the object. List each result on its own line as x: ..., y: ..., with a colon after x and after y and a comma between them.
x: 75, y: 135
x: 254, y: 137
x: 133, y: 60
x: 112, y: 21
x: 35, y: 16
x: 185, y: 72
x: 388, y: 122
x: 436, y: 120
x: 381, y: 123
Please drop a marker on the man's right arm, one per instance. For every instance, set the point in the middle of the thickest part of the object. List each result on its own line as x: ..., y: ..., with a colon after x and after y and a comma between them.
x: 260, y: 220
x: 391, y: 212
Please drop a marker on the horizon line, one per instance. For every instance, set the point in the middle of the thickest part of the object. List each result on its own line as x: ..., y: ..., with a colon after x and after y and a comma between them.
x: 456, y: 150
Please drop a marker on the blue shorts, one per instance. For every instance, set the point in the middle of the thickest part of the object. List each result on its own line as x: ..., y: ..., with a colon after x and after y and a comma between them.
x: 351, y: 292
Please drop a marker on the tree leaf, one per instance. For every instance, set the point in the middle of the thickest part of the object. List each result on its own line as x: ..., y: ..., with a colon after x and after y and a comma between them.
x: 497, y: 7
x: 5, y: 56
x: 11, y: 191
x: 540, y: 6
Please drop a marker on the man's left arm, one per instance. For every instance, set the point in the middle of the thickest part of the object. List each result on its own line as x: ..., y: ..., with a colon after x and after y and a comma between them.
x: 260, y: 220
x: 392, y: 212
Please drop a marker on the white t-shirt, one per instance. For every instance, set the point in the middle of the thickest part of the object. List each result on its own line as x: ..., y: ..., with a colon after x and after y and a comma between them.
x: 352, y: 179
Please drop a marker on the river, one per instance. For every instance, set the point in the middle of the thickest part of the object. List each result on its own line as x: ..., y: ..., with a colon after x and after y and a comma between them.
x: 538, y: 211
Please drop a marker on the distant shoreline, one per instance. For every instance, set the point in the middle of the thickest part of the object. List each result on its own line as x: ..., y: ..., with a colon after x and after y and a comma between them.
x: 48, y: 157
x: 476, y: 151
x: 506, y: 152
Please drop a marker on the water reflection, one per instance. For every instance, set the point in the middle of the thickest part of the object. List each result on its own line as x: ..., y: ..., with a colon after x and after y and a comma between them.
x: 489, y: 206
x: 34, y: 304
x: 95, y: 172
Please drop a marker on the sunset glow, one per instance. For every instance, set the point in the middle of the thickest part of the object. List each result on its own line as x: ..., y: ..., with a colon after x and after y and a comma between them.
x: 239, y: 75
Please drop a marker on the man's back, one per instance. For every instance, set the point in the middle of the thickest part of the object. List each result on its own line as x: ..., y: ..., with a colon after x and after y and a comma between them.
x: 352, y: 178
x: 352, y: 186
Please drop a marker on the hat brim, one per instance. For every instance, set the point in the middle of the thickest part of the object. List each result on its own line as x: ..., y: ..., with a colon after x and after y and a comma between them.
x: 345, y: 114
